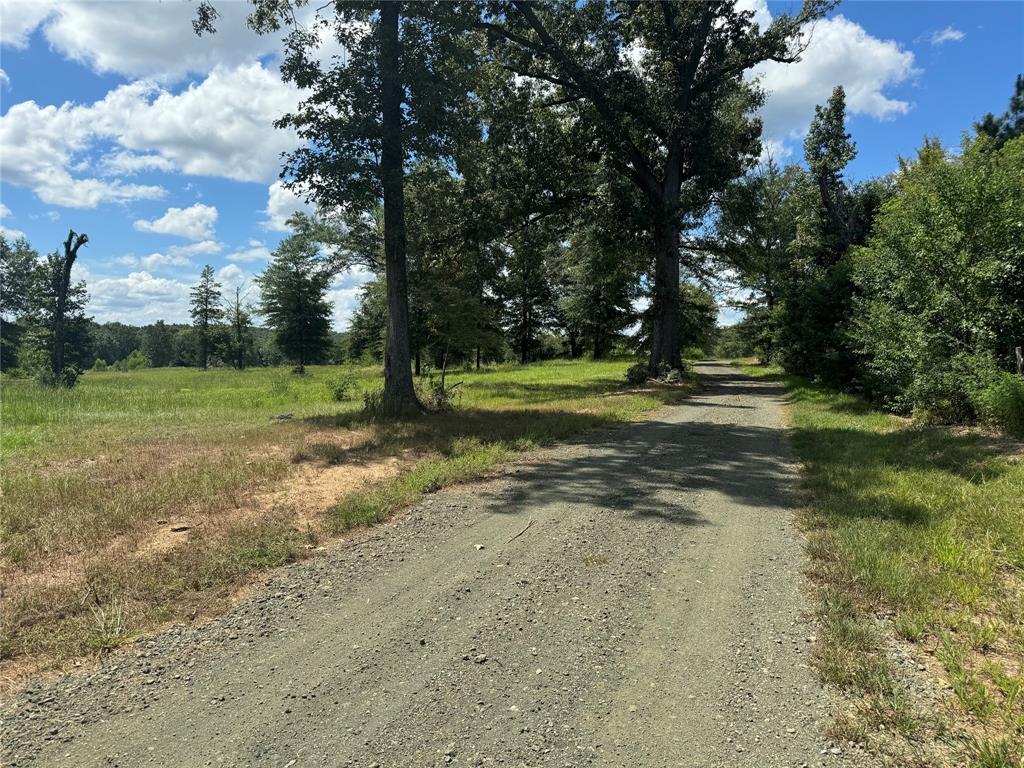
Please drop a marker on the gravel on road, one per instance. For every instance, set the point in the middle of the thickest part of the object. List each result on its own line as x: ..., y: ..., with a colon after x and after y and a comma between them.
x: 630, y: 598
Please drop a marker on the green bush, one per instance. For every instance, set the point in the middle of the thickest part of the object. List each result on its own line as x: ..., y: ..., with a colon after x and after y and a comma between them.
x: 342, y: 387
x: 1001, y: 402
x: 100, y: 364
x: 636, y: 374
x: 134, y: 362
x: 693, y: 353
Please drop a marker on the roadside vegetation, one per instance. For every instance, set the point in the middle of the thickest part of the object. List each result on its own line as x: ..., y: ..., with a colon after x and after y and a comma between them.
x: 147, y: 496
x: 915, y: 535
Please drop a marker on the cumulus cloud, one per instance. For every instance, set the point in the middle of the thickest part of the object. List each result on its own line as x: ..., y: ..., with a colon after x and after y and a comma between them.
x: 256, y: 251
x: 222, y: 127
x: 282, y: 203
x: 126, y: 163
x: 344, y: 295
x: 5, y: 79
x: 156, y: 260
x: 147, y: 39
x: 137, y: 298
x: 42, y: 144
x: 21, y: 18
x: 947, y: 35
x: 195, y: 222
x: 840, y: 52
x: 5, y: 213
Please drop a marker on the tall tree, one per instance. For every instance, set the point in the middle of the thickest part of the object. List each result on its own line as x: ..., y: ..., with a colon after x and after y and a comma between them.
x: 828, y: 149
x: 1008, y: 125
x: 239, y: 321
x: 158, y: 344
x: 18, y: 264
x: 207, y: 312
x: 60, y: 278
x: 664, y: 85
x: 293, y: 299
x: 752, y: 237
x: 57, y: 337
x: 400, y: 91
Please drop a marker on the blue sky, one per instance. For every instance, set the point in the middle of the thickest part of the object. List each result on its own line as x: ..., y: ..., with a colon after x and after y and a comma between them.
x: 117, y: 121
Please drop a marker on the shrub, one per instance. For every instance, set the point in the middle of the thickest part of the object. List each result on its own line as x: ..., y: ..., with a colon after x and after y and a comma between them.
x: 67, y: 378
x: 280, y: 383
x: 100, y: 364
x: 636, y: 374
x: 135, y: 361
x: 1001, y: 402
x: 436, y: 396
x: 342, y: 387
x: 693, y: 353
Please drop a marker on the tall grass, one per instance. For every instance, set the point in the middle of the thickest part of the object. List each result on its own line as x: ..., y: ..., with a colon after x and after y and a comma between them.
x: 924, y: 527
x: 88, y: 472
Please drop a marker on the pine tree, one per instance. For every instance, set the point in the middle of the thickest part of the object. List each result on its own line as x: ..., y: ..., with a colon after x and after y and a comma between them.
x: 207, y: 312
x: 293, y: 300
x: 239, y: 320
x: 158, y: 344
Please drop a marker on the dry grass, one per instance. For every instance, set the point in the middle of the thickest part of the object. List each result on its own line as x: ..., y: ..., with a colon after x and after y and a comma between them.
x: 147, y: 497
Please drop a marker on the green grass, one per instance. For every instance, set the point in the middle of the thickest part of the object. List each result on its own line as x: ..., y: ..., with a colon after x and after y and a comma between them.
x: 88, y: 473
x: 924, y: 527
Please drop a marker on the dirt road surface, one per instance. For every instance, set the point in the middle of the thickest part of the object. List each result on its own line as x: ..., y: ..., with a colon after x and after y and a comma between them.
x: 630, y: 599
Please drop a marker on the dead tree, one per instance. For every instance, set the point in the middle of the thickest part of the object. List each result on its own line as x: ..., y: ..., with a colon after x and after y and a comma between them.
x: 71, y: 246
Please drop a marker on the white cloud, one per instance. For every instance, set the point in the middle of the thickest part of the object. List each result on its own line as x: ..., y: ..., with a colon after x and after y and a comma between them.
x: 41, y: 144
x: 5, y: 212
x: 221, y: 127
x: 840, y: 52
x: 126, y: 163
x: 195, y: 222
x: 204, y: 247
x: 255, y: 252
x: 282, y: 203
x: 137, y: 298
x: 156, y: 260
x: 154, y: 40
x: 949, y: 34
x: 5, y: 79
x: 20, y: 19
x: 344, y: 295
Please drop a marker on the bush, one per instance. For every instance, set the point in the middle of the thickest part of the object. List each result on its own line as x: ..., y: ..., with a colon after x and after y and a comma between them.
x: 636, y: 374
x: 342, y: 387
x: 1001, y: 402
x: 693, y: 353
x: 100, y: 364
x: 437, y: 397
x: 134, y: 362
x: 67, y: 378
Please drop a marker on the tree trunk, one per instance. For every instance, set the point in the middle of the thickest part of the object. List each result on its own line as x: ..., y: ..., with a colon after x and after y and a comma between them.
x: 478, y: 357
x: 399, y: 395
x: 417, y: 368
x: 71, y: 246
x: 665, y: 305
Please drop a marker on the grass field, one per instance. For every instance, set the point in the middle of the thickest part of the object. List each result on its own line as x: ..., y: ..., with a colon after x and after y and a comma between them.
x: 142, y: 497
x: 916, y: 533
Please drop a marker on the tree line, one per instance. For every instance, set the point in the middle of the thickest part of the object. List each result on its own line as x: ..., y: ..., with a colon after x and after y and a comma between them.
x: 520, y: 177
x: 907, y: 288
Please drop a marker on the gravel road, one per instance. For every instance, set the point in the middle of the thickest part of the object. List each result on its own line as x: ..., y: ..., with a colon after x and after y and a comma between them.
x: 628, y: 599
